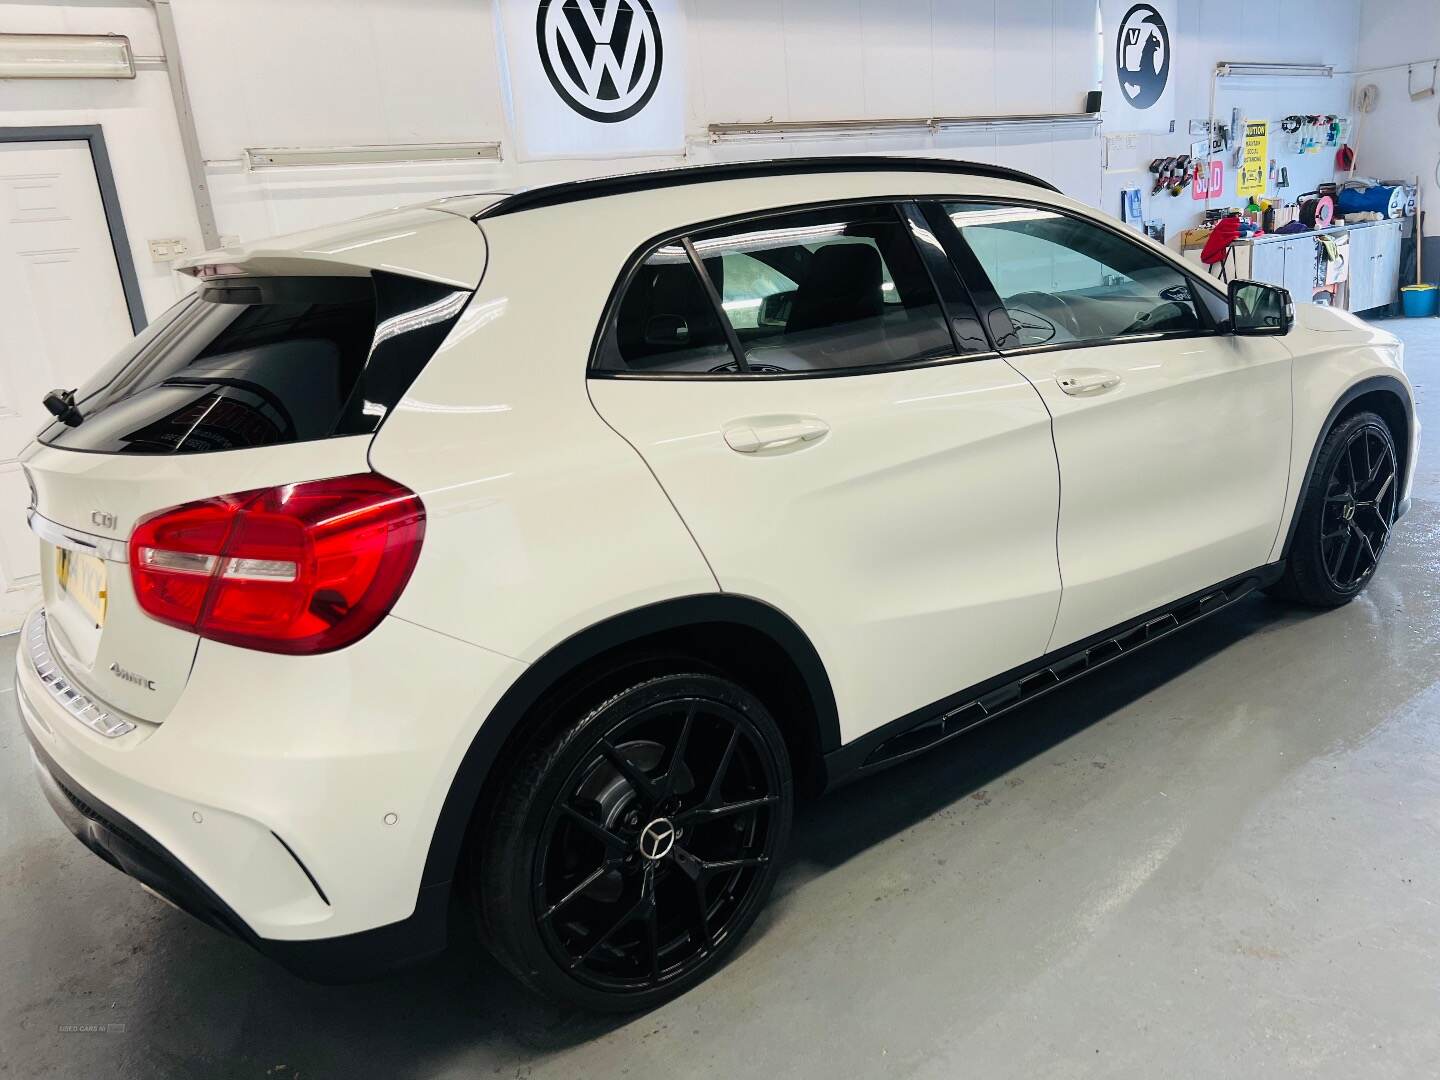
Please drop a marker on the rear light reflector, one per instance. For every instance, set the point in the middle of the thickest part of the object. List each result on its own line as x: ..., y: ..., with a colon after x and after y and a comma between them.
x: 180, y: 562
x: 261, y: 569
x: 302, y: 568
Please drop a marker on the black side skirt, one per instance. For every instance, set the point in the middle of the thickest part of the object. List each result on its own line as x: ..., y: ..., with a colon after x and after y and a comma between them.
x: 942, y: 721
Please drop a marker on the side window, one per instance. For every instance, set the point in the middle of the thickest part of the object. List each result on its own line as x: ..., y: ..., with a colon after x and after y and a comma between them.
x: 826, y: 290
x: 666, y: 321
x: 1062, y: 279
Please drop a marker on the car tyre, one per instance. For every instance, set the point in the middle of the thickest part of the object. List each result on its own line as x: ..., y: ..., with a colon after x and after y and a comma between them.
x: 1346, y: 515
x: 634, y: 844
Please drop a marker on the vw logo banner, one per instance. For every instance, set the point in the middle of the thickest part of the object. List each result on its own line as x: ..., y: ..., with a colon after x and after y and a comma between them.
x: 588, y: 78
x: 1139, y: 40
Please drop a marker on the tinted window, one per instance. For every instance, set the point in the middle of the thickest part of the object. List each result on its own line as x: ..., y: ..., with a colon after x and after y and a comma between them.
x: 1062, y: 279
x: 826, y: 290
x: 260, y: 361
x: 816, y: 291
x: 666, y: 321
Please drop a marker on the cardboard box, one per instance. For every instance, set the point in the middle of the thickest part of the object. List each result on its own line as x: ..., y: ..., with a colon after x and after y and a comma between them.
x: 1194, y: 238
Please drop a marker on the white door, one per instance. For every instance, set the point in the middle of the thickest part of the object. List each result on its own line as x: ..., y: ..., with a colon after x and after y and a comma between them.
x: 64, y: 315
x: 1300, y: 269
x: 1267, y: 262
x: 894, y: 500
x: 1387, y: 265
x: 1173, y: 440
x: 1363, y: 250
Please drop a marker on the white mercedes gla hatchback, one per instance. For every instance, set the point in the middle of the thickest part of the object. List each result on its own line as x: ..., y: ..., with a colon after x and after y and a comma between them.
x: 531, y: 552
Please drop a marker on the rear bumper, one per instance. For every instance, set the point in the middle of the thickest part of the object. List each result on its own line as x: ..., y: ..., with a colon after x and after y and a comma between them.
x: 289, y: 801
x: 128, y: 848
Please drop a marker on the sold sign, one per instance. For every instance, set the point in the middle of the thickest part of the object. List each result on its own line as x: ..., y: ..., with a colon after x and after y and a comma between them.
x: 1209, y: 180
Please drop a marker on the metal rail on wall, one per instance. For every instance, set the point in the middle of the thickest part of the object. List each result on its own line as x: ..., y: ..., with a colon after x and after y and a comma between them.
x: 762, y: 130
x: 185, y: 118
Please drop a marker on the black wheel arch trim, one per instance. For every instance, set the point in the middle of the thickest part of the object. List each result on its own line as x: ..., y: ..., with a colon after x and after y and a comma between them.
x: 1382, y: 383
x: 571, y: 654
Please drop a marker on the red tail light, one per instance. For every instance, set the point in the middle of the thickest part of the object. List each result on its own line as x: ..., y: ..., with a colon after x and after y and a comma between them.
x: 303, y: 568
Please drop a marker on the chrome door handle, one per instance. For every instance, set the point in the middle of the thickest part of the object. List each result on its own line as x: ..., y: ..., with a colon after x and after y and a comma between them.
x: 1082, y: 383
x: 750, y: 437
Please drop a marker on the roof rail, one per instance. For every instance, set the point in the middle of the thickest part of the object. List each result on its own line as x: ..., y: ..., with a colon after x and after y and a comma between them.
x: 598, y: 187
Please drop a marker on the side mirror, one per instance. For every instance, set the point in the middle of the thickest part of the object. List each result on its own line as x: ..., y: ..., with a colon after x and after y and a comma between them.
x: 667, y: 330
x: 1257, y: 308
x: 775, y: 309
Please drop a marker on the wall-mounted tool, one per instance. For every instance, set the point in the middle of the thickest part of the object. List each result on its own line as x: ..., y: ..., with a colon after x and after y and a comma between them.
x: 1163, y: 168
x: 1420, y: 93
x: 1181, y: 175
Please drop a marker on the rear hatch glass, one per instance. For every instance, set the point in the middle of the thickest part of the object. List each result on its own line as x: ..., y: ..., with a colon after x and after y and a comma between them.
x: 249, y: 362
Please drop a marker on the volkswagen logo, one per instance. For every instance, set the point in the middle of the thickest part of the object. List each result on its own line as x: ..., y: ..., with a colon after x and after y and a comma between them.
x: 656, y: 839
x: 1142, y: 56
x: 602, y: 57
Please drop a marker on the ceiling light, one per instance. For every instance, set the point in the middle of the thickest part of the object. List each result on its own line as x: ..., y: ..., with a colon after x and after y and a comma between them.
x: 400, y: 153
x: 66, y: 56
x: 1231, y: 68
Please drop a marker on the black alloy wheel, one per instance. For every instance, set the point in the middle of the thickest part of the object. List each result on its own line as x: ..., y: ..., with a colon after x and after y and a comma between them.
x: 1361, y: 496
x: 1348, y: 512
x: 638, y: 844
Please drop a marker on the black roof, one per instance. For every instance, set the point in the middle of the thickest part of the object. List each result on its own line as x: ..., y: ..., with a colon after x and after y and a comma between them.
x: 578, y: 190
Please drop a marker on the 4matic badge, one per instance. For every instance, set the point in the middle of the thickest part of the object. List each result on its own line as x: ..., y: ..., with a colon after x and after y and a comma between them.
x: 603, y: 57
x: 132, y: 676
x: 1142, y: 56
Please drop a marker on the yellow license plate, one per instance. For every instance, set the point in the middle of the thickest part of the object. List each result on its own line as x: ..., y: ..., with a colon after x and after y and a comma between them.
x: 82, y: 578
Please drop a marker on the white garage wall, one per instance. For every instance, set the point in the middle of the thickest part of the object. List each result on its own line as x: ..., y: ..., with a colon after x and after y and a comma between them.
x: 872, y: 59
x: 331, y: 73
x: 1401, y: 138
x: 325, y: 72
x: 138, y: 118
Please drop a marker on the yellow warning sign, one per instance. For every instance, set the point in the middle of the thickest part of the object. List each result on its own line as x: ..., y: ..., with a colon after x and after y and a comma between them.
x: 1255, y: 162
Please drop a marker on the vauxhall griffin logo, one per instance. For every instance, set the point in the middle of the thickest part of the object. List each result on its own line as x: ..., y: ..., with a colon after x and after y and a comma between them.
x: 602, y: 57
x: 1142, y: 56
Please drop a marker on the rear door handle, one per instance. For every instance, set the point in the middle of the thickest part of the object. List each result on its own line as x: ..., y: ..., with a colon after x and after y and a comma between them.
x: 752, y: 436
x: 1083, y: 382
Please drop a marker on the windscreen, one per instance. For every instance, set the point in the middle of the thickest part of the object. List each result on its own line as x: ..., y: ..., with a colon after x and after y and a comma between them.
x: 249, y: 362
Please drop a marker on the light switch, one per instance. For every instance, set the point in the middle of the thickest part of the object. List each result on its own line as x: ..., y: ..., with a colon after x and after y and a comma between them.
x: 163, y: 251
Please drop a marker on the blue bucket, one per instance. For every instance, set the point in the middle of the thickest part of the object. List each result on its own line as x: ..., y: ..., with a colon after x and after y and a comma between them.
x: 1420, y: 301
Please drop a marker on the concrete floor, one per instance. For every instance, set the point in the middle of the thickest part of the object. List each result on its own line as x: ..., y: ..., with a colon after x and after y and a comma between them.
x: 1213, y: 861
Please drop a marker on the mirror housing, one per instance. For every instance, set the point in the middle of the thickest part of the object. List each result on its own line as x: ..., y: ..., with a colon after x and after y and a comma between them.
x: 1260, y: 309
